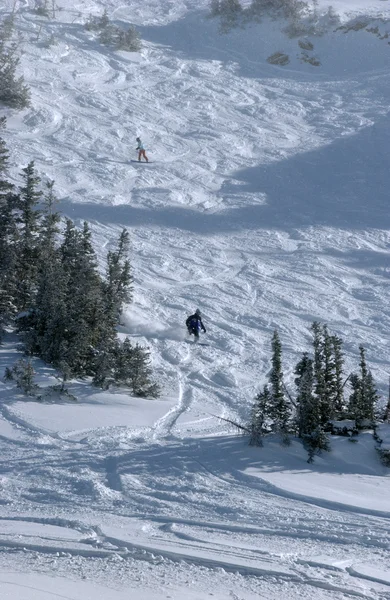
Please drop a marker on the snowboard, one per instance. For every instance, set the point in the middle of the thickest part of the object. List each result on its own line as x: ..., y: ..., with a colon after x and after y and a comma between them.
x: 141, y: 162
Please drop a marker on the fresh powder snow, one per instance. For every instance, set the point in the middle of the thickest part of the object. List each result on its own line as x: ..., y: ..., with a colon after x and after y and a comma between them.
x: 266, y: 205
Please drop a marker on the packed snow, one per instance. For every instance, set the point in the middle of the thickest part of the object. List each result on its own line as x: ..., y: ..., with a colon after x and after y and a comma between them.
x: 265, y: 205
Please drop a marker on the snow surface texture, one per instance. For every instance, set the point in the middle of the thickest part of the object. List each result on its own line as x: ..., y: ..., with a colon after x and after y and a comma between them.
x: 266, y: 205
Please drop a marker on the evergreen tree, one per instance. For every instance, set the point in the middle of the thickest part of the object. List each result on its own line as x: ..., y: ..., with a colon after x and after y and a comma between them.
x: 230, y: 12
x: 364, y: 395
x: 86, y: 324
x: 128, y: 40
x: 339, y: 406
x: 48, y: 322
x: 260, y: 412
x: 23, y: 374
x: 28, y: 243
x: 49, y: 225
x: 106, y: 362
x: 132, y: 369
x: 279, y: 410
x: 215, y: 8
x: 308, y: 412
x: 276, y: 8
x: 7, y: 235
x: 118, y: 285
x: 5, y: 186
x: 329, y: 393
x: 328, y: 361
x: 13, y: 91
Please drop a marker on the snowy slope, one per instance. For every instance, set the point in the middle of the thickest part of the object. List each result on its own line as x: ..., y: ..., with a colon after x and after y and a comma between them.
x: 266, y: 205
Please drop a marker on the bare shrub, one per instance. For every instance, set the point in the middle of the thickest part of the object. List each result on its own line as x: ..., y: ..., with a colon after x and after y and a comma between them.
x: 278, y: 58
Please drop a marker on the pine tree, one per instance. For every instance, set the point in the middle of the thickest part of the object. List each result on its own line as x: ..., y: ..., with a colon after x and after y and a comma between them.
x: 87, y: 326
x: 7, y: 236
x: 260, y: 413
x: 132, y: 369
x: 364, y: 395
x: 49, y: 225
x: 5, y: 186
x: 128, y: 40
x: 23, y: 374
x: 28, y: 243
x: 329, y: 398
x: 279, y: 410
x: 118, y: 285
x: 308, y: 412
x: 230, y: 12
x: 105, y: 363
x: 13, y: 91
x: 215, y: 8
x: 328, y: 362
x: 339, y: 406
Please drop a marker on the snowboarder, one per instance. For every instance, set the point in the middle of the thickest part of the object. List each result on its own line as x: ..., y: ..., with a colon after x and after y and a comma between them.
x: 194, y: 324
x: 141, y: 150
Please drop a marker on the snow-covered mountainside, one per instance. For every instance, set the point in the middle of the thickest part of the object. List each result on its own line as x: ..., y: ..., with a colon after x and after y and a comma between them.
x: 265, y: 204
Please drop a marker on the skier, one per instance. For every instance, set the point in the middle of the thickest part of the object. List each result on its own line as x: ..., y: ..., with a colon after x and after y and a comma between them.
x: 194, y: 324
x: 141, y: 150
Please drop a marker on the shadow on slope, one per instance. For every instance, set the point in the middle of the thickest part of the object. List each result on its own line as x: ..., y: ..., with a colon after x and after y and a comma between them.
x: 344, y: 185
x: 196, y: 37
x: 230, y: 468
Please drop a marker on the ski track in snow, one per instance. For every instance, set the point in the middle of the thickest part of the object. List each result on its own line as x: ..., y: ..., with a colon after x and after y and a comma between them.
x: 258, y: 207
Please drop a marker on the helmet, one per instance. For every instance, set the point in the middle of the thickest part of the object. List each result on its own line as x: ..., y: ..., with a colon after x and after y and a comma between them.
x: 137, y: 139
x: 197, y: 312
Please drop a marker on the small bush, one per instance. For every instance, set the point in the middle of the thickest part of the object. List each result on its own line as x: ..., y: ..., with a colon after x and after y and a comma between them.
x: 305, y: 45
x: 41, y: 8
x: 278, y: 58
x: 384, y: 455
x: 23, y: 374
x: 110, y: 35
x: 97, y: 23
x: 312, y: 60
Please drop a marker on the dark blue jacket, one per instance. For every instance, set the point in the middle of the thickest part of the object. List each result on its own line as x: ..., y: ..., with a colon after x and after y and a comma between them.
x: 194, y: 323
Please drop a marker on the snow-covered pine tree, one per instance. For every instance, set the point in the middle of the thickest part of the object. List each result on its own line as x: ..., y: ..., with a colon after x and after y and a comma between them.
x: 260, y: 413
x: 118, y: 284
x: 7, y: 232
x: 339, y: 404
x: 276, y: 8
x: 328, y: 400
x: 7, y: 27
x: 327, y: 371
x: 23, y: 374
x: 97, y: 23
x: 105, y: 363
x: 48, y: 322
x: 49, y: 225
x: 215, y: 8
x: 5, y: 185
x: 308, y: 413
x: 230, y: 12
x: 280, y: 410
x: 28, y: 246
x: 13, y: 91
x: 87, y: 326
x: 128, y: 40
x: 364, y: 395
x: 133, y: 370
x: 308, y: 409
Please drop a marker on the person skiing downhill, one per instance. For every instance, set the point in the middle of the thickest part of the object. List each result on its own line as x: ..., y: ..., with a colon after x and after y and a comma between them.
x: 194, y: 324
x: 141, y: 150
